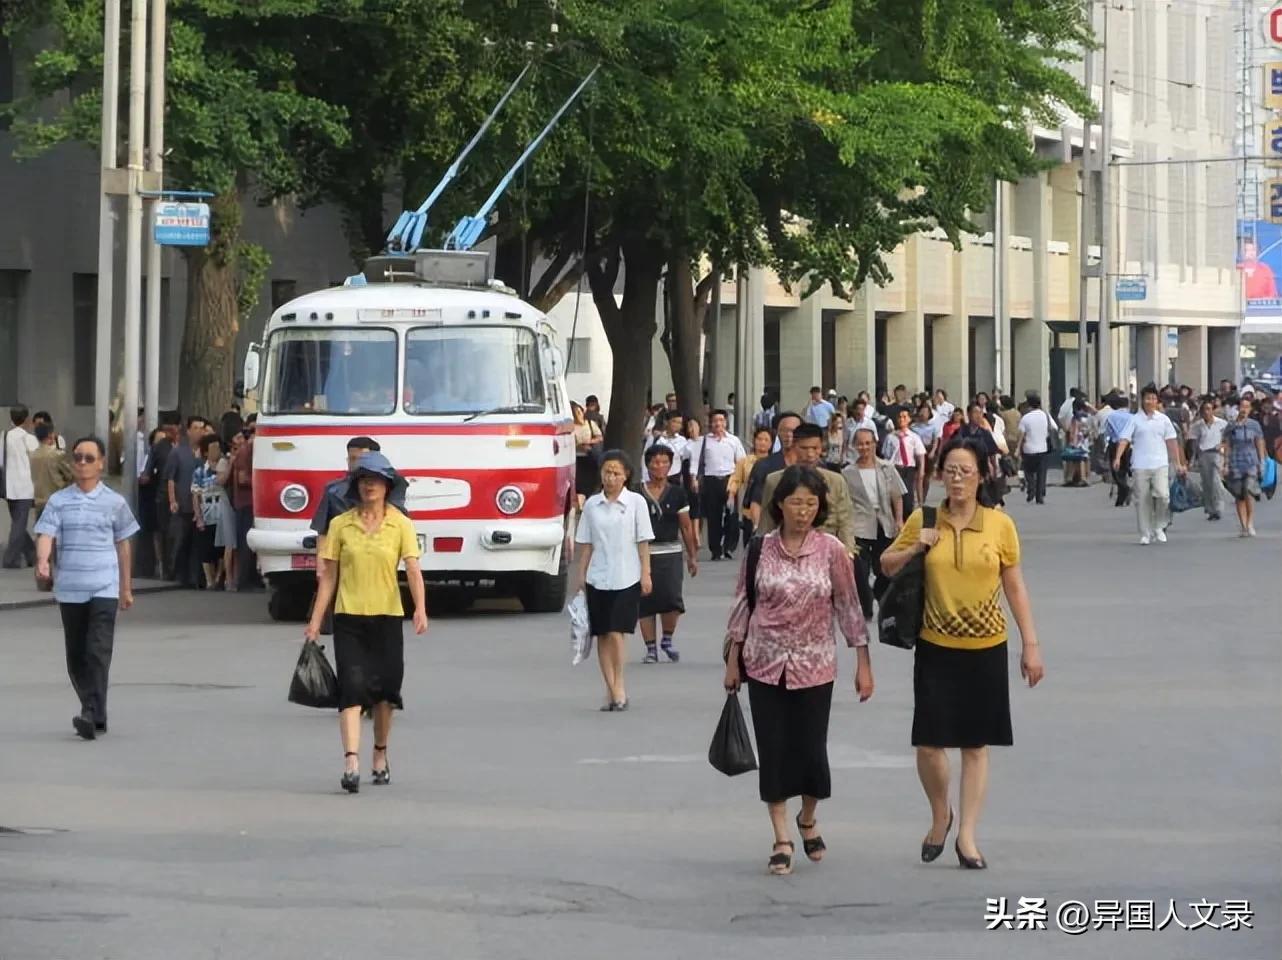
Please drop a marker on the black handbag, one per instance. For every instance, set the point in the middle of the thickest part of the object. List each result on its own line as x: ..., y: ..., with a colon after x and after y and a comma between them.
x: 899, y: 615
x: 314, y: 683
x: 731, y: 750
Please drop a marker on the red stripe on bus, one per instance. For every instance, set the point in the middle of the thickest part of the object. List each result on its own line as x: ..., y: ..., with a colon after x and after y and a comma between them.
x: 546, y: 490
x: 415, y: 429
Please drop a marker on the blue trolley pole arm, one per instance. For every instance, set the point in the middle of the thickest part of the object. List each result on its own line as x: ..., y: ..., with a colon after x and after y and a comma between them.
x: 468, y: 230
x: 407, y: 233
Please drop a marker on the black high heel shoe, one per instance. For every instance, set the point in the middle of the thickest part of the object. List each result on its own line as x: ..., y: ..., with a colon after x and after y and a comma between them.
x: 930, y: 852
x: 351, y: 782
x: 382, y: 777
x: 977, y: 863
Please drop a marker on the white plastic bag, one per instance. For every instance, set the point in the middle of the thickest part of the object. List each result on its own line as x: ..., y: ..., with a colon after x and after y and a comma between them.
x: 580, y: 633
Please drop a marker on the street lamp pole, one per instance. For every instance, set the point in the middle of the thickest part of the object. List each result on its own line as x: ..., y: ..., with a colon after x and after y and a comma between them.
x: 156, y: 159
x: 133, y: 245
x: 106, y: 225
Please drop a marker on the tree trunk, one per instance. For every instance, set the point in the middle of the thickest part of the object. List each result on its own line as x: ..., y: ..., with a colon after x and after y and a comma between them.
x: 685, y: 347
x: 206, y: 376
x: 630, y: 328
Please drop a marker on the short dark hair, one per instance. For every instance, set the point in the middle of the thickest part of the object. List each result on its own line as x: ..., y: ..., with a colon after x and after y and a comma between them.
x: 781, y: 417
x: 808, y: 431
x: 799, y: 476
x: 1035, y: 401
x: 621, y: 458
x: 43, y: 432
x: 102, y: 447
x: 1150, y: 389
x: 718, y: 413
x: 18, y: 414
x: 942, y: 392
x: 364, y: 443
x: 252, y: 418
x: 673, y: 415
x: 42, y: 415
x: 766, y: 430
x: 193, y: 420
x: 658, y: 450
x: 208, y: 441
x: 816, y: 389
x: 971, y: 445
x: 898, y: 387
x: 591, y: 398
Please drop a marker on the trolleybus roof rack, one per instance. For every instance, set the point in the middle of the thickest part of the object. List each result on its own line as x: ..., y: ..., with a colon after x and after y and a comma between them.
x: 445, y: 268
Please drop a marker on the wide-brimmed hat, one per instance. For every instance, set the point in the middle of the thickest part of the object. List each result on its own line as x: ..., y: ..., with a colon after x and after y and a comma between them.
x: 374, y: 464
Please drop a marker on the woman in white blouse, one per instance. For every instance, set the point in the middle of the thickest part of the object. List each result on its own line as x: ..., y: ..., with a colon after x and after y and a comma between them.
x: 613, y: 568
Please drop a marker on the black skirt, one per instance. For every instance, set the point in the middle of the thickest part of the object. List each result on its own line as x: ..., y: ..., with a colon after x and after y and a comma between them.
x: 613, y: 611
x: 667, y: 573
x: 204, y: 543
x: 587, y: 475
x: 791, y: 727
x: 369, y: 658
x: 961, y: 698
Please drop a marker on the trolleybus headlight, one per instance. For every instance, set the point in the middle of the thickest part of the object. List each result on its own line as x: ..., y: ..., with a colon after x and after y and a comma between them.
x: 510, y: 500
x: 294, y: 498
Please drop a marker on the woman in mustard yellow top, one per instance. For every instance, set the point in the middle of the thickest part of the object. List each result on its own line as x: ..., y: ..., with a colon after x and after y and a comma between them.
x: 359, y: 560
x: 961, y: 691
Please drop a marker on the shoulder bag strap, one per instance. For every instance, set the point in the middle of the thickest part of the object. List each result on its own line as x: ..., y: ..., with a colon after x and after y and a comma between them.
x: 750, y: 574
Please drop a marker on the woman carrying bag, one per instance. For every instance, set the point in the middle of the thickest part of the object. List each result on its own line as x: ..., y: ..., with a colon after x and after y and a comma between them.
x: 359, y: 561
x: 961, y: 695
x: 803, y: 588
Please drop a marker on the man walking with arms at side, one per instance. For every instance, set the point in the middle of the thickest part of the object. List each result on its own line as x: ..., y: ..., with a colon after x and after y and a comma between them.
x: 1206, y: 434
x: 905, y: 450
x: 716, y: 456
x: 50, y: 467
x: 180, y: 467
x: 19, y: 491
x: 1153, y: 442
x: 91, y: 525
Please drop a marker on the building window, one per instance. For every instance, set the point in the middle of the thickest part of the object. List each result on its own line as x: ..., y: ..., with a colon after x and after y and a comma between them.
x: 578, y: 355
x: 283, y: 291
x: 11, y: 284
x: 84, y: 328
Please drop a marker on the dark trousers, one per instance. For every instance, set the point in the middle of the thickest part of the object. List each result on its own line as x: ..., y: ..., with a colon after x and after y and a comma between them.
x: 869, y: 580
x: 20, y: 548
x: 723, y: 537
x: 90, y: 630
x: 1035, y: 475
x: 163, y: 548
x: 1122, y: 476
x: 246, y: 564
x: 184, y: 564
x: 909, y: 476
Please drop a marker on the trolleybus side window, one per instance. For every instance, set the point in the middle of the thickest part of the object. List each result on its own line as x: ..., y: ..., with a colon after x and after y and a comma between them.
x: 331, y: 371
x: 454, y: 369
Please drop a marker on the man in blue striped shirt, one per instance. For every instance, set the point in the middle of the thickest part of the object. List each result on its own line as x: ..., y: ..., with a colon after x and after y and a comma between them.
x: 91, y: 525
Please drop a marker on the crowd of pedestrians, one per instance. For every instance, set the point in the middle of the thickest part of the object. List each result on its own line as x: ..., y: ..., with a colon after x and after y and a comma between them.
x: 828, y: 504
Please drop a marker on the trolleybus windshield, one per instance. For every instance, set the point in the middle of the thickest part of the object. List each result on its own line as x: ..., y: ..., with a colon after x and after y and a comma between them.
x: 468, y: 370
x: 334, y: 371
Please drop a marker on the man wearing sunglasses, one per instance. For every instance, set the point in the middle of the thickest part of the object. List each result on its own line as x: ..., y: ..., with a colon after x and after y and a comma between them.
x: 91, y: 525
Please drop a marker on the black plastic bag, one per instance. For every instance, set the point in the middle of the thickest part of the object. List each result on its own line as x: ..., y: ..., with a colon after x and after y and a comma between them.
x: 314, y: 683
x: 902, y: 607
x: 731, y: 751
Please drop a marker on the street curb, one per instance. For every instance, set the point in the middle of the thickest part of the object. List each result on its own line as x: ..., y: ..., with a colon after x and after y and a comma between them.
x: 48, y: 599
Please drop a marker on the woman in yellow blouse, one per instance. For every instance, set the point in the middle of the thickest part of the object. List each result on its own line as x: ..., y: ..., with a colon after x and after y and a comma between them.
x: 762, y: 438
x: 359, y: 561
x: 961, y: 691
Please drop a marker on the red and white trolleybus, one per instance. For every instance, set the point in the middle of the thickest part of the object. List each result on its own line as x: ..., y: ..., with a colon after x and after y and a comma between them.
x: 460, y: 382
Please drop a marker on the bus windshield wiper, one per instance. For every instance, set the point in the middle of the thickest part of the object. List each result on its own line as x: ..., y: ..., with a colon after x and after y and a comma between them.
x: 508, y: 408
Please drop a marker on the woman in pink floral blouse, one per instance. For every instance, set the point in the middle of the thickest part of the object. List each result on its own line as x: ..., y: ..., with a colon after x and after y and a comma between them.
x: 805, y: 585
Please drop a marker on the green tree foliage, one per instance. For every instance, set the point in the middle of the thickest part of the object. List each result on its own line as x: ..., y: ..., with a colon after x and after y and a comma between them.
x: 809, y: 137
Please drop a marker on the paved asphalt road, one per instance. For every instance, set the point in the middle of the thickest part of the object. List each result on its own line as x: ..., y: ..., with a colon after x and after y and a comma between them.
x: 522, y: 823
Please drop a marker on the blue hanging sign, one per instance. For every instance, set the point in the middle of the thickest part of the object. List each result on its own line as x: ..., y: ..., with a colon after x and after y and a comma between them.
x: 1130, y: 288
x: 181, y: 224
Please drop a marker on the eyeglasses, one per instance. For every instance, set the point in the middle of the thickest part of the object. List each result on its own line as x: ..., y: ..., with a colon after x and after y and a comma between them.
x: 84, y: 458
x: 960, y: 473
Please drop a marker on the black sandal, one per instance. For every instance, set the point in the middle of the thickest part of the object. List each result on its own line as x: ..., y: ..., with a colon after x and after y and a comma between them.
x: 780, y: 863
x: 351, y: 782
x: 813, y: 846
x: 381, y: 777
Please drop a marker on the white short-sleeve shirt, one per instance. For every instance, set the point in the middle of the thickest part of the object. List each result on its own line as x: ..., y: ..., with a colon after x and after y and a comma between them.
x: 614, y: 529
x: 1035, y: 426
x: 1148, y: 436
